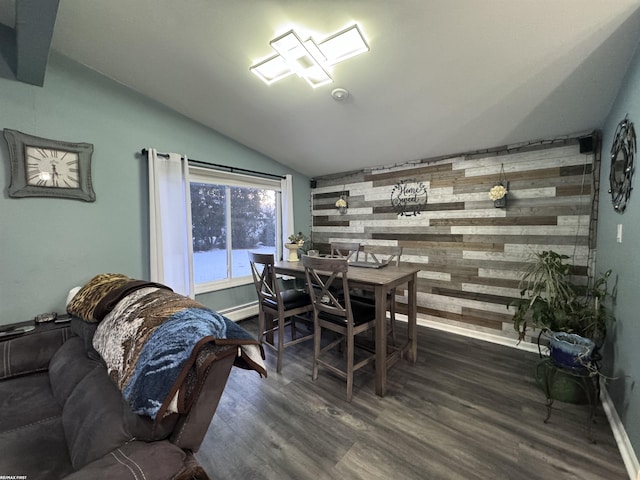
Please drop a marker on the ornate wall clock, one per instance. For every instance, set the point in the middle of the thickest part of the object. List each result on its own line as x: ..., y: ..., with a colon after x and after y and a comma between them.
x: 623, y: 151
x: 49, y: 168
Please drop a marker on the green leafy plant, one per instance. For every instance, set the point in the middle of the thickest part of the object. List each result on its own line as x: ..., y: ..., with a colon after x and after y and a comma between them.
x: 297, y: 237
x: 594, y: 313
x: 550, y: 300
x: 300, y: 239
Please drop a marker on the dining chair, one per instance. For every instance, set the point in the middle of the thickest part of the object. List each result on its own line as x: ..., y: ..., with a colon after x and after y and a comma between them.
x: 338, y: 314
x: 381, y: 254
x: 348, y: 250
x: 281, y: 307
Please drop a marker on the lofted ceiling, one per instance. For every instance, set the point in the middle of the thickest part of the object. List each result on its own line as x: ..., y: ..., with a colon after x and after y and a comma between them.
x: 442, y: 76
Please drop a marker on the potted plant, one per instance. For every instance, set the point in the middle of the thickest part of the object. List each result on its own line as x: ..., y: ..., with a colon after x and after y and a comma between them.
x: 576, y: 316
x: 296, y: 242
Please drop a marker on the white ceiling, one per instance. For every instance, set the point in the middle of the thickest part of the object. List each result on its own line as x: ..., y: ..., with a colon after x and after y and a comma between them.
x: 442, y: 76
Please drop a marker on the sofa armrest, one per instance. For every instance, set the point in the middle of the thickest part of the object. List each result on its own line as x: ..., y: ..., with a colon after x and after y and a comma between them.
x: 31, y: 351
x: 191, y: 428
x: 136, y: 460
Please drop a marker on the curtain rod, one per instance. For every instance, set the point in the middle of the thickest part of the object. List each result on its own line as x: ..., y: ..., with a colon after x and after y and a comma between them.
x: 222, y: 167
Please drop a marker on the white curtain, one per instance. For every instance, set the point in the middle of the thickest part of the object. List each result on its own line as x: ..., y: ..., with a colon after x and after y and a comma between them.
x: 287, y: 208
x: 171, y: 248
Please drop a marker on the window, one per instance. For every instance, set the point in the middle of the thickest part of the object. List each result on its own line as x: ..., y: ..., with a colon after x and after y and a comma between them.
x: 231, y: 214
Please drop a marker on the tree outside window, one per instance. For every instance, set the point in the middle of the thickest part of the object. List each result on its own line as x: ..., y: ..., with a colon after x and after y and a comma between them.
x: 227, y: 222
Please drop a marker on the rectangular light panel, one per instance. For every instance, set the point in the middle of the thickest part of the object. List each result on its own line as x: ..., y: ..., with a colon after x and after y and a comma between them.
x: 272, y: 69
x: 343, y: 45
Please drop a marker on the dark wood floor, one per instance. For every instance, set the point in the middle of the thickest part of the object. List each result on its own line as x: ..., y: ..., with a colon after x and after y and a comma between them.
x: 466, y: 410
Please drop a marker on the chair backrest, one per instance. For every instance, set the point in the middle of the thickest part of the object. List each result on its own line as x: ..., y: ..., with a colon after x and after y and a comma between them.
x: 348, y: 250
x: 322, y: 274
x: 264, y: 277
x: 382, y: 253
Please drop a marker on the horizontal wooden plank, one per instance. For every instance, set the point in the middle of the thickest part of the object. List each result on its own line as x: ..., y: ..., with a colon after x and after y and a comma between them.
x: 568, y: 190
x: 576, y: 170
x: 429, y: 207
x: 525, y: 239
x: 519, y: 187
x: 392, y: 177
x: 501, y: 300
x: 522, y: 209
x: 456, y: 317
x: 488, y: 281
x: 433, y: 246
x: 326, y: 222
x: 489, y: 180
x: 497, y: 318
x: 524, y: 220
x: 417, y: 237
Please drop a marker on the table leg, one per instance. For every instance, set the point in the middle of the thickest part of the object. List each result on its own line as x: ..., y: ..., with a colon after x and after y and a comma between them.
x: 412, y: 299
x: 381, y: 341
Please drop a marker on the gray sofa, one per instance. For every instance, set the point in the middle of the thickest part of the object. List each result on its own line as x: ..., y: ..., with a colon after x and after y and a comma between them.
x: 62, y: 416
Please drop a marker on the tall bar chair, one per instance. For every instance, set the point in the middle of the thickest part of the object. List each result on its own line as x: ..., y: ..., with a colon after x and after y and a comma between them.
x: 381, y: 254
x: 348, y: 250
x: 337, y: 314
x: 277, y: 309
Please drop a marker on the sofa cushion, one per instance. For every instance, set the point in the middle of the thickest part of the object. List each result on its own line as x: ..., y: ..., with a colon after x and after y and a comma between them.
x: 93, y: 413
x: 31, y: 435
x: 68, y: 367
x: 25, y: 400
x: 137, y: 461
x: 92, y: 419
x: 35, y: 451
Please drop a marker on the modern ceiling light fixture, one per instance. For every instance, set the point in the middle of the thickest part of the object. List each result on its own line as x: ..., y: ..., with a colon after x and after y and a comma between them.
x: 308, y: 59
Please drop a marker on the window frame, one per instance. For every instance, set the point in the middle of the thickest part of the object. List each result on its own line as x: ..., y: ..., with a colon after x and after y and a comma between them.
x: 230, y: 179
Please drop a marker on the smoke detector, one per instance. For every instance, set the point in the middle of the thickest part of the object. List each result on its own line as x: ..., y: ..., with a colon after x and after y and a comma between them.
x: 339, y: 94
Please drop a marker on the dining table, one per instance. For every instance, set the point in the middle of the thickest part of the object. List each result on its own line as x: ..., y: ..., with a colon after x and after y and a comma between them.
x: 381, y: 281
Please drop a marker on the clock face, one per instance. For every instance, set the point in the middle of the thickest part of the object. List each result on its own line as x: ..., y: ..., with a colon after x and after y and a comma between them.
x: 48, y: 167
x: 42, y: 167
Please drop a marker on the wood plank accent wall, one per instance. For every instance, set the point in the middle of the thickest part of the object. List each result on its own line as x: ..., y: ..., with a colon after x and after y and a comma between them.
x: 470, y: 253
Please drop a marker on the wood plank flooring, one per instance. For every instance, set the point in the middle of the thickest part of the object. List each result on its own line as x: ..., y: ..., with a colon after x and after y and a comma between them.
x: 466, y: 410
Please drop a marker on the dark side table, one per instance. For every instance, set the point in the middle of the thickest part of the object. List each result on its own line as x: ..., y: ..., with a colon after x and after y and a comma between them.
x: 586, y: 379
x: 19, y: 329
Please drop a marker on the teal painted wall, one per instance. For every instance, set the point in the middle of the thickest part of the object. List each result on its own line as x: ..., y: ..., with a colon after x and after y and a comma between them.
x: 622, y: 355
x: 48, y: 246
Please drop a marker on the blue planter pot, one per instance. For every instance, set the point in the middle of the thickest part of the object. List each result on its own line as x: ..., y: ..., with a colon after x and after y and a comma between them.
x: 571, y: 351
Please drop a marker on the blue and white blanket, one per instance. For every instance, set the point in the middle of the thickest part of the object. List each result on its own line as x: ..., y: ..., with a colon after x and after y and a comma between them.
x: 150, y: 340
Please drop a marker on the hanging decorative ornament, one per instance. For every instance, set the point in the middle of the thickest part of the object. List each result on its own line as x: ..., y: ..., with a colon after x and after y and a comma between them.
x: 342, y: 204
x: 498, y: 192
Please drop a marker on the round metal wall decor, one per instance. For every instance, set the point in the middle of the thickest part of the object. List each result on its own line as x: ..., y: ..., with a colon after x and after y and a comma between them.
x: 623, y: 151
x: 409, y: 198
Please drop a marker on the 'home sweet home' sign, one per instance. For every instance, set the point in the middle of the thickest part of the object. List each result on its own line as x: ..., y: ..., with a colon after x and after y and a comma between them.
x: 408, y: 198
